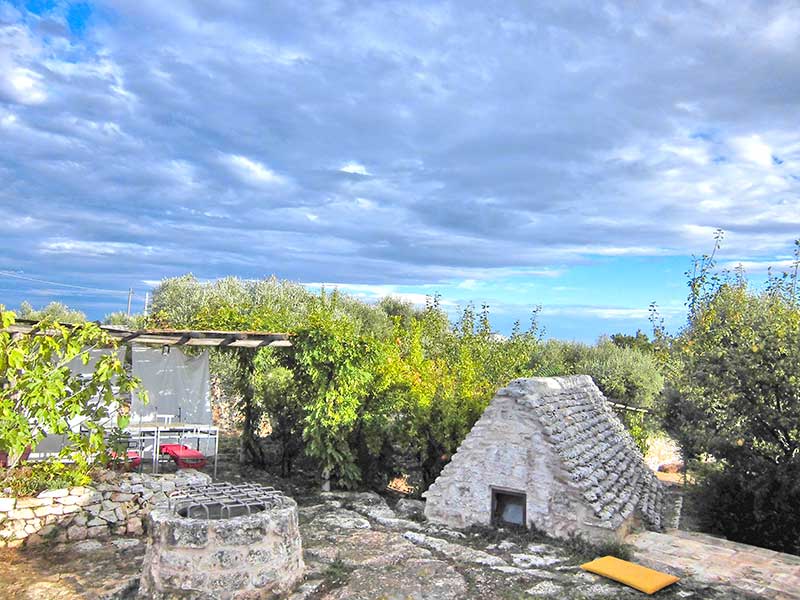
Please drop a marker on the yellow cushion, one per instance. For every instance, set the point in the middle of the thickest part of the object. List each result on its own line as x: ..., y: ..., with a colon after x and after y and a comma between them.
x: 638, y: 577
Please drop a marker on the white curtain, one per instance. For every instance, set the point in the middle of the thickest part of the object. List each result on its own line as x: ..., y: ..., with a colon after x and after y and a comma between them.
x: 177, y: 385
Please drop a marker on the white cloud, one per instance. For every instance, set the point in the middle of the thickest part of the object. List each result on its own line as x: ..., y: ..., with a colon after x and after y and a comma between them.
x: 27, y: 86
x: 753, y: 149
x: 494, y: 163
x: 354, y: 168
x: 86, y: 248
x: 253, y: 171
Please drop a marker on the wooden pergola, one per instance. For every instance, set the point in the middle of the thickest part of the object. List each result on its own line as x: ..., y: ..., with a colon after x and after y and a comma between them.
x: 177, y: 337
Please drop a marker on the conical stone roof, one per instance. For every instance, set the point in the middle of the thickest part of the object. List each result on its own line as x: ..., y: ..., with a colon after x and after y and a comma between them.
x: 599, y: 454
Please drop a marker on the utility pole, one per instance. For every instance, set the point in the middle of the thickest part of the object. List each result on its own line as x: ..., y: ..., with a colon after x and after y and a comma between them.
x: 146, y: 302
x: 130, y: 297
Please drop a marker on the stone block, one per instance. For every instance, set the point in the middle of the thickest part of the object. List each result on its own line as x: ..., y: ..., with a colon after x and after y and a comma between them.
x: 232, y: 580
x: 98, y: 531
x: 71, y: 500
x: 33, y: 502
x: 109, y: 516
x: 134, y: 526
x: 187, y: 533
x: 176, y: 560
x: 59, y: 493
x: 76, y: 533
x: 224, y: 559
x: 21, y: 514
x: 6, y: 504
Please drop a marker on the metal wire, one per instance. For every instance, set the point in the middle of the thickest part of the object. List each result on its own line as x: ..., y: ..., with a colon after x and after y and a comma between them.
x: 223, y: 500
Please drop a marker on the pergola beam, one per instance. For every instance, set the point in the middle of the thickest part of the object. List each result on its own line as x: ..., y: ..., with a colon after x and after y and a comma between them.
x: 173, y: 337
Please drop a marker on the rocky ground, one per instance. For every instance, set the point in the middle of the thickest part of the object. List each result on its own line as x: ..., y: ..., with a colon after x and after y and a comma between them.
x: 357, y: 546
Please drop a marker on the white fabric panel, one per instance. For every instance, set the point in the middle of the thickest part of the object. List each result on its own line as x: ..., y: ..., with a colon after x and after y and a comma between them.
x: 177, y: 385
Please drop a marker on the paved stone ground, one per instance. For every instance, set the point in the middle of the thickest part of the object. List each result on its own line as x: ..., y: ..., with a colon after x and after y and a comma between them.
x: 714, y: 560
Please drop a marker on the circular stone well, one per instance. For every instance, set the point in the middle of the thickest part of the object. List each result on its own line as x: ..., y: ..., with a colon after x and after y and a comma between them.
x: 225, y: 550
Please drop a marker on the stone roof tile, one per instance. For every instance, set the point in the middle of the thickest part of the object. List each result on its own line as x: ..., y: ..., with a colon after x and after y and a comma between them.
x: 599, y: 455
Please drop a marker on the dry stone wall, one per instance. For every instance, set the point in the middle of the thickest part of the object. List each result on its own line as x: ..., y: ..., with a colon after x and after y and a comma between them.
x: 117, y: 505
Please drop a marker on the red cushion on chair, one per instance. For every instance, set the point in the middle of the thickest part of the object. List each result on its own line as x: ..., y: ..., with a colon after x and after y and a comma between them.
x: 184, y: 457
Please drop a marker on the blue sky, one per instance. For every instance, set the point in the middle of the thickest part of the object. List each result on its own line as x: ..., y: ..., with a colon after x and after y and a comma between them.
x: 572, y: 156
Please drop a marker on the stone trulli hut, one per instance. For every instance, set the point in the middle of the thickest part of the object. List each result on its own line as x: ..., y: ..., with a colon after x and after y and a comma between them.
x: 549, y: 453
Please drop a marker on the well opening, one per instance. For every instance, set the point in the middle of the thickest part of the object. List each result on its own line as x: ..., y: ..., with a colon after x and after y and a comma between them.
x: 218, y: 510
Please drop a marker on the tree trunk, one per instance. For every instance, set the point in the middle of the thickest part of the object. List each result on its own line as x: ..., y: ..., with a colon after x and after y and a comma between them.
x: 252, y: 452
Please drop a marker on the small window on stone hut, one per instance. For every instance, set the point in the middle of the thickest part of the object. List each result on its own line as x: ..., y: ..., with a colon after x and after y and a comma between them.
x: 508, y: 508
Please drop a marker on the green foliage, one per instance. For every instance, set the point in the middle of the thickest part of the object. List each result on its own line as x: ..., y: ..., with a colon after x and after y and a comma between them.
x: 451, y: 374
x: 366, y: 387
x: 30, y: 479
x: 754, y: 503
x: 333, y: 367
x: 640, y: 341
x: 739, y: 372
x: 228, y: 304
x: 40, y: 395
x: 122, y: 319
x: 734, y: 394
x: 337, y: 572
x: 586, y: 550
x: 55, y: 311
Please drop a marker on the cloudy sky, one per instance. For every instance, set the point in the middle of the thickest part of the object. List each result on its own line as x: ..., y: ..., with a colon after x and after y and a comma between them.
x: 573, y: 156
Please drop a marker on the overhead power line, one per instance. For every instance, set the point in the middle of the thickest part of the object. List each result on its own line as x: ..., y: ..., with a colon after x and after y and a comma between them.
x: 67, y: 285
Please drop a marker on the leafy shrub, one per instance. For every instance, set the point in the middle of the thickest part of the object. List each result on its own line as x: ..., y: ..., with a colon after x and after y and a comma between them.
x: 756, y: 505
x: 32, y: 478
x: 40, y: 394
x: 734, y: 394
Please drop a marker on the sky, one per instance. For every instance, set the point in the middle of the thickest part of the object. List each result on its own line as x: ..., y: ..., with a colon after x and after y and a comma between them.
x: 572, y: 155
